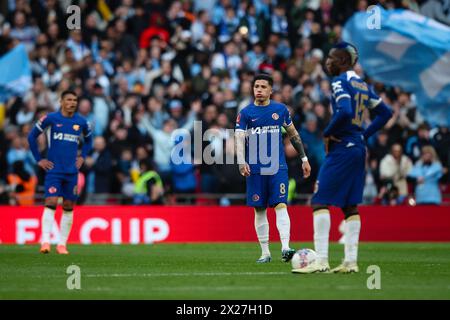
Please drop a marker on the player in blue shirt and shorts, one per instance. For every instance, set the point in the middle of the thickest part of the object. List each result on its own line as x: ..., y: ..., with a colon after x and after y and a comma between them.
x: 64, y: 130
x: 260, y: 153
x: 341, y: 178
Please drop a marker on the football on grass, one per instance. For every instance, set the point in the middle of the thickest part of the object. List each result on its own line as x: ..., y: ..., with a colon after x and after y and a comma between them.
x: 303, y: 258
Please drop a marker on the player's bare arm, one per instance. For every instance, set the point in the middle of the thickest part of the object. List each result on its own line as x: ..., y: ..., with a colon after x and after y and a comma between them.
x: 244, y: 168
x: 297, y: 143
x: 45, y: 164
x: 79, y: 162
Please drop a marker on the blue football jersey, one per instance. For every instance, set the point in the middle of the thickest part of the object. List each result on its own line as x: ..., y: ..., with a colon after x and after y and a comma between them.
x: 264, y: 150
x: 63, y: 138
x: 350, y: 85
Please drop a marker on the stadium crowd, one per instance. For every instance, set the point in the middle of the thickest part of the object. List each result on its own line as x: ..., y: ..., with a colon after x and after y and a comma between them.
x: 144, y: 68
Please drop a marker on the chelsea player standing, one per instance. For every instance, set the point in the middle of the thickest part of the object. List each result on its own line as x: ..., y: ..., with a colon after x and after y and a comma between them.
x: 63, y: 129
x: 260, y: 153
x: 341, y: 178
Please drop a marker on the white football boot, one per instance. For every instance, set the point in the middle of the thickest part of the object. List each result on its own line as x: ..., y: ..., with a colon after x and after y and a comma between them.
x: 346, y: 267
x: 315, y: 267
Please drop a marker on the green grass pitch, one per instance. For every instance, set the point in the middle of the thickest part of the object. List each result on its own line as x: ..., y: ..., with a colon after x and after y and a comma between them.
x: 220, y: 271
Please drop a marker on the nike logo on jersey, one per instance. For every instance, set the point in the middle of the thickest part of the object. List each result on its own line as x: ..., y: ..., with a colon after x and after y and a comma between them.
x: 255, y: 119
x: 350, y: 144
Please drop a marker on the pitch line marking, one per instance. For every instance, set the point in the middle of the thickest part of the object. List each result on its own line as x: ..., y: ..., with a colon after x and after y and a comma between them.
x: 186, y: 274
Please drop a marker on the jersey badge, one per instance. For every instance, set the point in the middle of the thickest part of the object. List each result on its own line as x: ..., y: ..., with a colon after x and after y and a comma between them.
x: 52, y: 190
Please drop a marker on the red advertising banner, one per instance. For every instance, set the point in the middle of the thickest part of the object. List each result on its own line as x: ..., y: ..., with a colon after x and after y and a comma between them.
x: 149, y: 224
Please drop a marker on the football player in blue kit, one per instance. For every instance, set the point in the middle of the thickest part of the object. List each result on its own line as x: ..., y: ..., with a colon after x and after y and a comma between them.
x: 261, y: 159
x: 64, y: 130
x: 341, y: 178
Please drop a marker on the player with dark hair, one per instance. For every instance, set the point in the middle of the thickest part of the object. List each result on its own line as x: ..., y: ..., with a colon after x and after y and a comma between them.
x: 64, y: 129
x: 260, y: 153
x: 341, y: 178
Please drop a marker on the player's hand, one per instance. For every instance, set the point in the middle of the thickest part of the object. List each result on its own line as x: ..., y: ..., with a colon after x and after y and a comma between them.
x: 306, y: 169
x: 327, y: 141
x: 45, y: 164
x: 79, y: 163
x: 244, y: 169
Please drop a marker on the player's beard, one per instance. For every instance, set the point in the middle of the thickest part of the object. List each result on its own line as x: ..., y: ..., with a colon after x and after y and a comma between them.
x: 262, y: 101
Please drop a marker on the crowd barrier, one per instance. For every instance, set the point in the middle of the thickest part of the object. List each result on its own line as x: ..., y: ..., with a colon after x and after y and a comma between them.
x: 151, y: 224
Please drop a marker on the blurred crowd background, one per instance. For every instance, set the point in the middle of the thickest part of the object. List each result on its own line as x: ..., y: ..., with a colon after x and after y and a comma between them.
x: 144, y: 68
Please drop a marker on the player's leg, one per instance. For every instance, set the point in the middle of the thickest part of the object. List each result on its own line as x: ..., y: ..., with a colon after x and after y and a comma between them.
x: 48, y: 216
x: 69, y: 190
x: 278, y: 192
x: 321, y: 219
x: 52, y: 186
x: 352, y: 220
x: 325, y: 190
x: 322, y: 223
x: 256, y: 198
x: 262, y: 232
x: 351, y: 238
x: 284, y: 229
x: 65, y: 226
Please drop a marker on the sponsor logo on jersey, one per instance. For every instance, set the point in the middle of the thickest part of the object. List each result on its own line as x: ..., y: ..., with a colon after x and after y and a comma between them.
x: 255, y: 197
x: 52, y: 190
x: 265, y: 129
x: 65, y: 137
x: 359, y: 85
x: 59, y: 125
x: 275, y: 116
x: 76, y: 127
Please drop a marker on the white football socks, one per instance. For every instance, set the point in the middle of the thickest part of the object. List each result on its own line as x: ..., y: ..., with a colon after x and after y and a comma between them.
x: 322, y: 224
x: 352, y: 229
x: 66, y: 225
x: 262, y: 230
x: 46, y: 224
x: 283, y: 226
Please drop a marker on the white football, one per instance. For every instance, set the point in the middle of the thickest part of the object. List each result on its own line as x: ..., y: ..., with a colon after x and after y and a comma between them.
x: 303, y: 258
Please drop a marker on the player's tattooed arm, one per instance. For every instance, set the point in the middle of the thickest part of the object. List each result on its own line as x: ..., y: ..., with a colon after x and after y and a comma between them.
x: 297, y: 143
x: 244, y: 168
